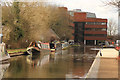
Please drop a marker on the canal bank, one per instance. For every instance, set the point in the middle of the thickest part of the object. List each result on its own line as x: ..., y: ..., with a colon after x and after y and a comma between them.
x: 16, y: 52
x: 105, y: 66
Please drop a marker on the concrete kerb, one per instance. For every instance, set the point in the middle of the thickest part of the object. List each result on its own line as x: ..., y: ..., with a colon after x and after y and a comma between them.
x: 93, y: 71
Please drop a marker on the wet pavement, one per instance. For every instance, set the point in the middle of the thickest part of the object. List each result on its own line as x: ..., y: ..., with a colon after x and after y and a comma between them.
x: 71, y: 63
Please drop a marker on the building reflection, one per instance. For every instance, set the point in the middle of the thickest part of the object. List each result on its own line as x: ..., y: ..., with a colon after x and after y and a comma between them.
x: 82, y: 58
x: 52, y: 56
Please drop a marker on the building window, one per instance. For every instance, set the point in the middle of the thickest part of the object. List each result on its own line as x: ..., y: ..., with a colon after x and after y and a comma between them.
x: 96, y: 23
x: 71, y: 13
x: 103, y: 23
x: 96, y: 29
x: 100, y: 35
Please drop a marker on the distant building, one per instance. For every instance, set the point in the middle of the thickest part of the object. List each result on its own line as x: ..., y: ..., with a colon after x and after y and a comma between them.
x: 87, y: 28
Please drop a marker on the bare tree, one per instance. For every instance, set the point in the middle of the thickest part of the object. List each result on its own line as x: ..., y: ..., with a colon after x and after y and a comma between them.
x: 115, y: 3
x: 112, y: 28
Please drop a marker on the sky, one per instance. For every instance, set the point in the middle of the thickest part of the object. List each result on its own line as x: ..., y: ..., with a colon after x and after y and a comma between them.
x: 95, y: 6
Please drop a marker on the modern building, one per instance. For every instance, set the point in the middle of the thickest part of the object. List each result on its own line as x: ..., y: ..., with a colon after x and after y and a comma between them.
x: 87, y: 28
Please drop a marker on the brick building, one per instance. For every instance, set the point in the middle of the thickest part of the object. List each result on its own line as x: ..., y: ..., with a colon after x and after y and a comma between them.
x: 87, y: 28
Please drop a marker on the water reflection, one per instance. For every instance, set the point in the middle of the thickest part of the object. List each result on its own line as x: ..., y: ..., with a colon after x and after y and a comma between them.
x: 84, y: 54
x: 73, y: 62
x: 52, y: 56
x: 36, y: 60
x: 78, y: 50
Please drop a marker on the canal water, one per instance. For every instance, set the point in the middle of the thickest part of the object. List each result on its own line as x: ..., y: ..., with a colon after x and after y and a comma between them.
x: 74, y: 62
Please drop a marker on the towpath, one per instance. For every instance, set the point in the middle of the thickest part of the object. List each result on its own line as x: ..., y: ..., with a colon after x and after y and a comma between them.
x: 105, y: 66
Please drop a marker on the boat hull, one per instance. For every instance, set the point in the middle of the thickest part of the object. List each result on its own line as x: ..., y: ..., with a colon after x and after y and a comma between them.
x: 33, y: 50
x: 64, y: 48
x: 52, y: 50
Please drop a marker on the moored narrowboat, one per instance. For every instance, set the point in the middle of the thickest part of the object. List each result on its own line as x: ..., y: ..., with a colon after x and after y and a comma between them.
x: 65, y: 45
x: 34, y: 47
x: 55, y: 46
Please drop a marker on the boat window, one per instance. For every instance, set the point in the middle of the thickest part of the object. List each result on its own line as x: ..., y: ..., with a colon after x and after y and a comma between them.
x: 52, y: 46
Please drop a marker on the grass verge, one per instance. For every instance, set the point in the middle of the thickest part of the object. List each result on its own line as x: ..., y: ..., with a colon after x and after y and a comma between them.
x: 15, y: 50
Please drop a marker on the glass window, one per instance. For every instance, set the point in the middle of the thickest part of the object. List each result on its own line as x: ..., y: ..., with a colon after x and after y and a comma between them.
x: 96, y: 29
x: 96, y: 23
x: 100, y: 35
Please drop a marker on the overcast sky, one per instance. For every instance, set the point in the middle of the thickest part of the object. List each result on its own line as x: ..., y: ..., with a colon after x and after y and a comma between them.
x: 95, y: 6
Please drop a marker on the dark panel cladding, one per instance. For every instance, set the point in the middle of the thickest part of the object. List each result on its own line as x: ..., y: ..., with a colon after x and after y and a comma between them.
x: 79, y: 32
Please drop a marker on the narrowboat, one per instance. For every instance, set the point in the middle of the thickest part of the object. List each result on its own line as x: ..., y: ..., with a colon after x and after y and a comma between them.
x: 55, y: 46
x: 34, y: 47
x: 71, y: 42
x: 65, y: 45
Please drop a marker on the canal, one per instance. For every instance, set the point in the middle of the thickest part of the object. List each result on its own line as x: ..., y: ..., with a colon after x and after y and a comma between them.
x: 74, y: 62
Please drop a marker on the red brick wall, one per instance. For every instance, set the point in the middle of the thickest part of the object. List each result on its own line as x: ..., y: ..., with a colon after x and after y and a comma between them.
x: 96, y: 20
x: 95, y: 32
x: 79, y: 16
x: 63, y: 8
x: 95, y: 26
x: 88, y: 19
x: 94, y: 38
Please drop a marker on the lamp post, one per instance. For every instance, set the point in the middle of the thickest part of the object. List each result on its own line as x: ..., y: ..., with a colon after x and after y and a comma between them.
x: 119, y: 19
x: 1, y: 35
x: 1, y: 22
x: 100, y: 49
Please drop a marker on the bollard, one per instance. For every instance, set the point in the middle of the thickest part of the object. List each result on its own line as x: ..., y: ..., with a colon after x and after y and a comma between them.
x: 100, y: 53
x: 100, y: 50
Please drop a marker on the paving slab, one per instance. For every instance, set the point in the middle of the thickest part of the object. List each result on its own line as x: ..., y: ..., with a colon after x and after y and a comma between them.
x: 108, y: 68
x: 105, y: 66
x: 109, y: 53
